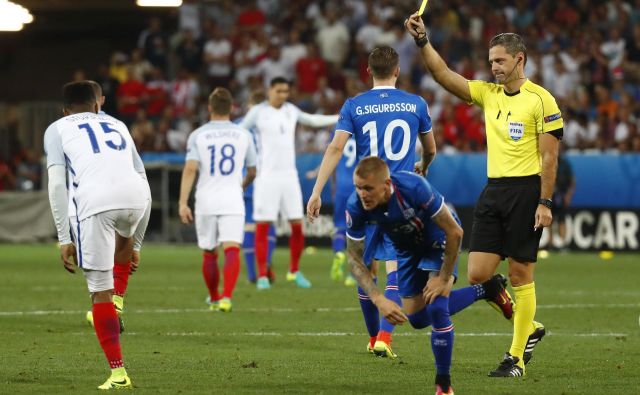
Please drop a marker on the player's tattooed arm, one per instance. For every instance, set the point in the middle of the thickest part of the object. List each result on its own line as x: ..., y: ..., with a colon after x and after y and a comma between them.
x: 389, y: 309
x: 355, y: 250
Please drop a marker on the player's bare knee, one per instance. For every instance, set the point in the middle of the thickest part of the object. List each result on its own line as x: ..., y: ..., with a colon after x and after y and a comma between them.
x: 102, y: 296
x: 391, y: 266
x: 477, y: 277
x: 520, y: 273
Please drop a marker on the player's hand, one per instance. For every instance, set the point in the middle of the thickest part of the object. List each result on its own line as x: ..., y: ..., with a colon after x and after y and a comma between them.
x: 543, y: 217
x: 415, y: 25
x: 135, y: 261
x: 391, y: 311
x: 435, y: 287
x: 418, y: 169
x: 185, y: 214
x: 69, y: 257
x: 313, y: 207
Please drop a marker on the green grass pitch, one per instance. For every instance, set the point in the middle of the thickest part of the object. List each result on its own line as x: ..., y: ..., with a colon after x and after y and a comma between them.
x: 289, y: 340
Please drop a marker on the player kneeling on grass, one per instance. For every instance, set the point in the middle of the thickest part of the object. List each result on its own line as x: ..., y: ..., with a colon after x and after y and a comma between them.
x: 111, y: 200
x: 427, y: 239
x: 217, y: 151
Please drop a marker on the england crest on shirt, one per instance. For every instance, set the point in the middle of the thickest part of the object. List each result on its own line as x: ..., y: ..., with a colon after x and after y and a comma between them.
x: 516, y: 130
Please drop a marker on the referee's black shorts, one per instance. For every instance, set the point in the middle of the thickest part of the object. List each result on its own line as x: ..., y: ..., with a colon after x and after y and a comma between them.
x: 504, y: 217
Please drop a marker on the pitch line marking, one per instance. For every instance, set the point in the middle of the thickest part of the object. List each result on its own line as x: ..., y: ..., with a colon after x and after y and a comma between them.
x: 291, y: 310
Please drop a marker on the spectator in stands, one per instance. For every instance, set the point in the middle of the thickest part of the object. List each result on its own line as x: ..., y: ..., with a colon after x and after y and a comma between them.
x: 131, y: 97
x: 333, y: 39
x: 154, y: 42
x: 140, y: 67
x: 157, y: 90
x: 272, y: 66
x: 29, y: 172
x: 109, y: 90
x: 189, y: 52
x: 184, y: 93
x: 310, y: 69
x: 143, y: 132
x: 217, y: 58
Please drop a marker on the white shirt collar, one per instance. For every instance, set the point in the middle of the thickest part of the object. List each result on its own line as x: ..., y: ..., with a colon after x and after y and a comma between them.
x: 383, y: 87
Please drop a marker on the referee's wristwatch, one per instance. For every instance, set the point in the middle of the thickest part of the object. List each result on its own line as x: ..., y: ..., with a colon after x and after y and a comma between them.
x: 546, y: 202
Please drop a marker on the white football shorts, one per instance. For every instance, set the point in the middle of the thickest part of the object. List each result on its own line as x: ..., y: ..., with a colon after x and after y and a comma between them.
x: 96, y: 236
x: 98, y: 280
x: 212, y: 230
x: 273, y: 194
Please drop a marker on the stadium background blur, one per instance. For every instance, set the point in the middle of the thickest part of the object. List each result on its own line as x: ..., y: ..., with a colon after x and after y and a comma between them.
x: 587, y: 53
x: 157, y: 66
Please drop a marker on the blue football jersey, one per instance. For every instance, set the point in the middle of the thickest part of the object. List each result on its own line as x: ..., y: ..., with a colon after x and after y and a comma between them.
x: 345, y: 168
x: 406, y: 219
x: 385, y: 123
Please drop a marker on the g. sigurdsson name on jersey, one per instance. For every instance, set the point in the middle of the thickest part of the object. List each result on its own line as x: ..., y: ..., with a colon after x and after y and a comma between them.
x: 386, y: 107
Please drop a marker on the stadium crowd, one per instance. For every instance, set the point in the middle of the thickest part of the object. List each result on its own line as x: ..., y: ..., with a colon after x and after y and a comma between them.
x: 587, y: 54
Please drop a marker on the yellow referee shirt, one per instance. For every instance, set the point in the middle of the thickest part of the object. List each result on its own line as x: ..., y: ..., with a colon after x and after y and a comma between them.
x: 513, y: 122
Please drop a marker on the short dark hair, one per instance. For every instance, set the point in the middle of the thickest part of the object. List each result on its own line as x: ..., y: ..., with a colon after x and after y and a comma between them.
x: 278, y: 80
x: 96, y: 88
x: 79, y: 93
x: 372, y: 165
x: 383, y: 61
x: 512, y: 42
x: 220, y: 101
x: 257, y: 97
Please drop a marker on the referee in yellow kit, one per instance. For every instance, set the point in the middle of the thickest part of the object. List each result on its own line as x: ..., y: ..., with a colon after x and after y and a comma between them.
x: 524, y: 128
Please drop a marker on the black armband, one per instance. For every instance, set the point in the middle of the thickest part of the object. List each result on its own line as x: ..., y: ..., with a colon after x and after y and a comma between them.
x: 421, y: 40
x: 546, y: 202
x: 558, y: 133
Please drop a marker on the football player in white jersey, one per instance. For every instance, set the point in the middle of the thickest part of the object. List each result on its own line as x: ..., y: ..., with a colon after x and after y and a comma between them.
x: 277, y: 188
x: 217, y: 151
x: 121, y: 270
x: 110, y: 199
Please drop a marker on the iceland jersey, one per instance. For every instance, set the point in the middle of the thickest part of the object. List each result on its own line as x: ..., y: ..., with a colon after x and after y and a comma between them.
x: 385, y: 122
x: 406, y: 219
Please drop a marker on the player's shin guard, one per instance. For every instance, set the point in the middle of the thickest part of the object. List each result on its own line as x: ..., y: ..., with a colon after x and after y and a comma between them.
x: 441, y: 334
x: 121, y: 271
x: 370, y: 313
x: 462, y: 298
x: 338, y: 241
x: 107, y: 327
x: 296, y: 244
x: 523, y: 319
x: 391, y: 293
x: 420, y: 319
x: 248, y: 248
x: 211, y: 274
x: 231, y: 270
x: 261, y: 241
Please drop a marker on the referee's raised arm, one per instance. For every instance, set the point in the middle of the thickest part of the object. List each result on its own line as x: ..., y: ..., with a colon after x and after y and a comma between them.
x: 449, y: 79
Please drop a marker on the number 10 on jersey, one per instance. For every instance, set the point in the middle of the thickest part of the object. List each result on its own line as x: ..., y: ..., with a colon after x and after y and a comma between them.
x: 372, y: 128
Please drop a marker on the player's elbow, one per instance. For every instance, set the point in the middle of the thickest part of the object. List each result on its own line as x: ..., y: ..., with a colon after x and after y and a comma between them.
x: 455, y: 235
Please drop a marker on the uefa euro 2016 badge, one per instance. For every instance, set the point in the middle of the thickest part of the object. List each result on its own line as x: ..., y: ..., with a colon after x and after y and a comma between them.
x: 348, y: 219
x: 516, y: 130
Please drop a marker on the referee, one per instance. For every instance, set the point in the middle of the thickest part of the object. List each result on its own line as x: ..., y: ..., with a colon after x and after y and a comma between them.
x: 524, y: 127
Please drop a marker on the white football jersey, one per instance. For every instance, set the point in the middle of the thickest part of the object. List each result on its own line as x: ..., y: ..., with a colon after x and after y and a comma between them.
x: 275, y: 134
x: 222, y: 148
x: 98, y: 152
